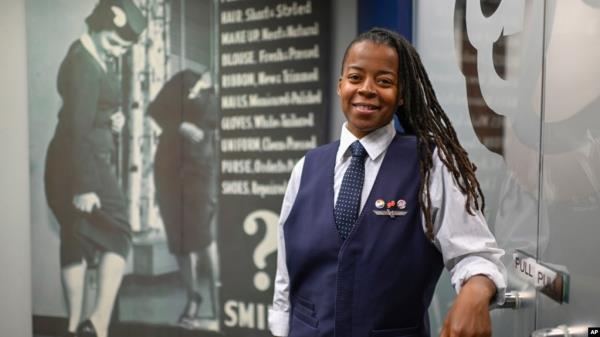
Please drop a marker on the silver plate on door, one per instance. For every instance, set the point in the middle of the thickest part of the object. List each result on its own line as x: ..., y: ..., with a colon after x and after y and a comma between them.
x: 551, y: 280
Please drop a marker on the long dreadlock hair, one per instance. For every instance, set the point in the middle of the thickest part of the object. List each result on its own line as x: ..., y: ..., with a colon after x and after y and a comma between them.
x: 422, y: 115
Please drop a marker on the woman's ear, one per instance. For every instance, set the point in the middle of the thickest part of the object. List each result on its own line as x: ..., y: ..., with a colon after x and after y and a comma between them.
x: 339, y: 85
x: 400, y: 101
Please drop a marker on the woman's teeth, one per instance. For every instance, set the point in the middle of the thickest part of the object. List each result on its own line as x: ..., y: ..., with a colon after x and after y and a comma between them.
x: 365, y: 107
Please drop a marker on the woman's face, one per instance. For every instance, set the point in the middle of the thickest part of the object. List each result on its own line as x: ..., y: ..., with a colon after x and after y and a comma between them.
x: 111, y: 44
x: 369, y: 87
x: 204, y: 82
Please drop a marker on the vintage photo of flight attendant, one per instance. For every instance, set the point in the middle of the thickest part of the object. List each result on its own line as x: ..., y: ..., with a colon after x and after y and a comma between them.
x: 186, y: 177
x: 81, y: 186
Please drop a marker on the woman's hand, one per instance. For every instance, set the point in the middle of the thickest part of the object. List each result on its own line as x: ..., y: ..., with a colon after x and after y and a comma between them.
x: 86, y: 202
x: 191, y: 132
x: 469, y: 315
x: 117, y: 122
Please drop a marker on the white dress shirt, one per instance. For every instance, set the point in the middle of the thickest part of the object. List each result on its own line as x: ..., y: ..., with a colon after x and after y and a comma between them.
x: 465, y: 241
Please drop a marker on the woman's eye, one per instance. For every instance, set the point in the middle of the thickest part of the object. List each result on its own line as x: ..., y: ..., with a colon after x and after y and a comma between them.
x: 353, y: 77
x: 385, y: 81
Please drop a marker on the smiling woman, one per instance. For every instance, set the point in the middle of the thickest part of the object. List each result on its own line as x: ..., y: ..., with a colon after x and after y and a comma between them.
x: 402, y: 205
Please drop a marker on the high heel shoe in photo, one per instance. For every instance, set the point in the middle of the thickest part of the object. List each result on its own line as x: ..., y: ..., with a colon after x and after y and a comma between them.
x: 86, y: 329
x: 190, y: 311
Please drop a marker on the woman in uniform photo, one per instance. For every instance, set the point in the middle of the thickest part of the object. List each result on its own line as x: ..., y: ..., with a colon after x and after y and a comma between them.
x: 186, y: 174
x: 81, y: 185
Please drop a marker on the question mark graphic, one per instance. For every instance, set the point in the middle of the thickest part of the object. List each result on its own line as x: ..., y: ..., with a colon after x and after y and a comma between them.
x: 267, y: 245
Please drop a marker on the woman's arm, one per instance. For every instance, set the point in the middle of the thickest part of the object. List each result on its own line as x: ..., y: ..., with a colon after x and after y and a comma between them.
x: 80, y: 99
x: 470, y: 253
x: 279, y: 313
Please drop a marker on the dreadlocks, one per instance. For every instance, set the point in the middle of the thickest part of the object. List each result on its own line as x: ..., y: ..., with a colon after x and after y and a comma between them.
x: 422, y: 115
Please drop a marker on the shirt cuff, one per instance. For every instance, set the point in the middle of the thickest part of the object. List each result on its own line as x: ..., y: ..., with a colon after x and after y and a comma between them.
x: 279, y: 322
x: 480, y: 266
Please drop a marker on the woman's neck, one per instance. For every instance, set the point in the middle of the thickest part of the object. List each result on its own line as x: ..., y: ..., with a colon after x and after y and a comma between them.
x: 95, y: 36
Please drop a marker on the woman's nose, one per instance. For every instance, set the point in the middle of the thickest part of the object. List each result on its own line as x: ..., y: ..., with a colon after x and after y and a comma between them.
x: 367, y: 88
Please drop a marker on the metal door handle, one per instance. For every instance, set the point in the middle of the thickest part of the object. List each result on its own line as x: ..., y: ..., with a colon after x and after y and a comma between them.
x: 512, y: 300
x: 560, y: 331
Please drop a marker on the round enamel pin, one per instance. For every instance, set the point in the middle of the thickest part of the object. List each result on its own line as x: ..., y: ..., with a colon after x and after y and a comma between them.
x: 379, y: 203
x: 401, y: 204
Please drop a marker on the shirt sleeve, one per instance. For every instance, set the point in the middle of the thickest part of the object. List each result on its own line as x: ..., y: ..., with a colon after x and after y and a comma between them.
x: 279, y: 313
x: 467, y: 245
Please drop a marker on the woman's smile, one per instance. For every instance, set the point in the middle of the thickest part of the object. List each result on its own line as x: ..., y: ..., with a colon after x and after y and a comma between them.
x: 365, y: 108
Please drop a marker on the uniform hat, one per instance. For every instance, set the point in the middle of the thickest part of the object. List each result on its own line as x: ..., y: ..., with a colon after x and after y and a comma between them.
x: 121, y: 15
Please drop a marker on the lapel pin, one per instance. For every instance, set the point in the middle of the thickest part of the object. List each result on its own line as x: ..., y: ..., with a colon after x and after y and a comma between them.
x: 389, y: 208
x: 401, y: 204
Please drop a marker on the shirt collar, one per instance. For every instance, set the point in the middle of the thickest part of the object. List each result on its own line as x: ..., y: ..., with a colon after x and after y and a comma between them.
x: 88, y: 44
x: 375, y: 143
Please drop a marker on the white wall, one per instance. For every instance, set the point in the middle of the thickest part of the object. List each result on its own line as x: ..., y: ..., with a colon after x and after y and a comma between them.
x: 15, y: 248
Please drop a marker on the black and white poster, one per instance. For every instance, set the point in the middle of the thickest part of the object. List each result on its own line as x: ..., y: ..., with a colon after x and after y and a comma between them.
x: 274, y: 66
x: 162, y: 134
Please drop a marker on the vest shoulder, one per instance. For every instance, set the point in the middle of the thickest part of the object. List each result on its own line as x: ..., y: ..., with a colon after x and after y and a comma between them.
x: 410, y: 141
x: 405, y: 138
x: 404, y: 141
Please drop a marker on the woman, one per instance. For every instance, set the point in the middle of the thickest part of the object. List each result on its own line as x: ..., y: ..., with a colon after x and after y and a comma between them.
x: 81, y: 185
x: 186, y: 175
x: 387, y: 212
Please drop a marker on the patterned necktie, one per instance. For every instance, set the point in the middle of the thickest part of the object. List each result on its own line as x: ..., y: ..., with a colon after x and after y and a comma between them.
x: 348, y: 201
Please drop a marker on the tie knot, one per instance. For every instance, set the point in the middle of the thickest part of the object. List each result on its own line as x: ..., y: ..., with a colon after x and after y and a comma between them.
x: 358, y: 150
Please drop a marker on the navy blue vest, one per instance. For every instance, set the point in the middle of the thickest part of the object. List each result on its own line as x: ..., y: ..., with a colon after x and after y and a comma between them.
x: 380, y: 280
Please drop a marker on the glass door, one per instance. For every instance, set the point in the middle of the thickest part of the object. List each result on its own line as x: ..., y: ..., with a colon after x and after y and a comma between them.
x: 570, y: 175
x: 485, y: 59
